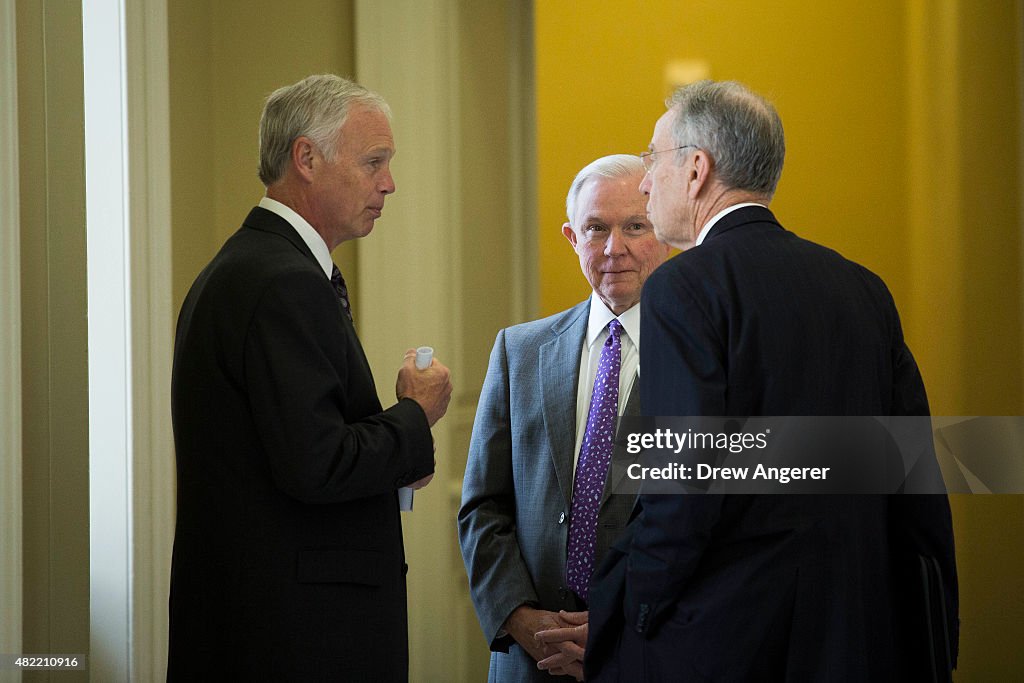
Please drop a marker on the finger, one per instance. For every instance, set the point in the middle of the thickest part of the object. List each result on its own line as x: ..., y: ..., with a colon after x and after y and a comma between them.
x: 574, y: 670
x: 557, y: 635
x: 576, y: 618
x: 571, y: 650
x: 552, y: 635
x: 555, y: 661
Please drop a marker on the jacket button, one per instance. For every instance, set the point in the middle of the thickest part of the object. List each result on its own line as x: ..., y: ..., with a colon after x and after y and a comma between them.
x: 561, y: 517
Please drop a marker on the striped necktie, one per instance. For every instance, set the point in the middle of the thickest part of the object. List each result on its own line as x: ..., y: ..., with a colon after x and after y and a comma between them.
x: 339, y: 286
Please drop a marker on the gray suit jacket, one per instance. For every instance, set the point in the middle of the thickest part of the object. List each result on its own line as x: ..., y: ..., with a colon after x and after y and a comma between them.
x: 514, y: 519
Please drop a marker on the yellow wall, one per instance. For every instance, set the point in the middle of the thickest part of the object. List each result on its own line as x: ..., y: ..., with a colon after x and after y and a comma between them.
x: 903, y: 125
x: 989, y: 87
x: 834, y: 72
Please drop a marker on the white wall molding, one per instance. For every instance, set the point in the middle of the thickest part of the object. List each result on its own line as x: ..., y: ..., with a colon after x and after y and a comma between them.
x: 110, y: 423
x: 128, y: 228
x: 10, y: 344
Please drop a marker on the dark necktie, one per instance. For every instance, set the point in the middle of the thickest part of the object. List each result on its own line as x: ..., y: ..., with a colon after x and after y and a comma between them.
x: 592, y: 470
x: 339, y: 286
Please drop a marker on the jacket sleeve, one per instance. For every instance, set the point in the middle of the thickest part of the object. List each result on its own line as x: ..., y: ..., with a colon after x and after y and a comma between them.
x: 499, y: 580
x: 300, y: 390
x: 921, y: 523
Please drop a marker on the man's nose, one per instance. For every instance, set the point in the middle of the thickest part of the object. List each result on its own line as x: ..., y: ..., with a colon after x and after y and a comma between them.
x: 614, y: 244
x: 645, y: 184
x: 387, y: 184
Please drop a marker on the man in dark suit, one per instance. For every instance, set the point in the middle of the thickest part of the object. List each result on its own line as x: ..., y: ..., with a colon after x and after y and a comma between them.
x: 751, y: 320
x: 288, y: 559
x: 521, y: 493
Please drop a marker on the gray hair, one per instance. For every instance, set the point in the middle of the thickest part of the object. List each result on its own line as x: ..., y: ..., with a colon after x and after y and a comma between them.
x: 739, y: 129
x: 315, y: 107
x: 612, y: 166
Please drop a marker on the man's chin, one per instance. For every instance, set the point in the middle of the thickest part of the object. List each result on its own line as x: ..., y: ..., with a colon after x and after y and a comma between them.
x: 365, y: 230
x: 620, y: 297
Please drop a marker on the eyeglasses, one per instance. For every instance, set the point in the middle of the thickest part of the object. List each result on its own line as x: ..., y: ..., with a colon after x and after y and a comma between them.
x: 648, y: 162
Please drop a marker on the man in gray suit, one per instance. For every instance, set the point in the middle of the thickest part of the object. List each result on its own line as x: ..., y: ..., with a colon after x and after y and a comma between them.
x: 529, y: 543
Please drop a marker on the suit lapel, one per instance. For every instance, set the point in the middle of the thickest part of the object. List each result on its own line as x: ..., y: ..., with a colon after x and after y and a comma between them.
x: 559, y: 359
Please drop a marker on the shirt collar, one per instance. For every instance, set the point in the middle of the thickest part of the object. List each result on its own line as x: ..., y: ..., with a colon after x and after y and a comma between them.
x: 310, y: 236
x: 600, y: 316
x: 718, y: 216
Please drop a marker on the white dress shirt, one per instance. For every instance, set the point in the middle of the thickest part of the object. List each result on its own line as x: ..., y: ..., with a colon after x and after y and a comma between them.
x: 718, y: 216
x: 310, y: 236
x: 597, y: 333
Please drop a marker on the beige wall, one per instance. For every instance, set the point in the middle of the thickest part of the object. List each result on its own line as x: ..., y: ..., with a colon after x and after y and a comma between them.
x: 487, y: 206
x: 225, y: 58
x: 54, y: 378
x: 903, y: 125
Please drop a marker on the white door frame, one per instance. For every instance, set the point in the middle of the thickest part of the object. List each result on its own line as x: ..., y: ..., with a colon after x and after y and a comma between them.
x: 127, y: 145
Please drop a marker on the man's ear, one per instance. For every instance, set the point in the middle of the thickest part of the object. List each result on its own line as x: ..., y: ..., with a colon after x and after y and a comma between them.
x: 698, y: 172
x: 570, y: 234
x: 303, y: 157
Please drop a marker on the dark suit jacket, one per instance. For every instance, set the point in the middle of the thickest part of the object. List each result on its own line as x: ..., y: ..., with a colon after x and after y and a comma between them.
x: 288, y: 560
x: 757, y: 321
x: 517, y: 491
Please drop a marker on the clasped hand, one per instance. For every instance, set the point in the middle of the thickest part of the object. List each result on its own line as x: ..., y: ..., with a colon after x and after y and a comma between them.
x: 555, y: 639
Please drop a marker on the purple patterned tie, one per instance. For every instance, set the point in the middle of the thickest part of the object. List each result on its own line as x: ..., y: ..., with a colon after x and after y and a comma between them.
x: 592, y: 469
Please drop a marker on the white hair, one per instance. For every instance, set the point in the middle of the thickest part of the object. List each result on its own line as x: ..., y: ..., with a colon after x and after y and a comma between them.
x: 740, y: 129
x: 315, y: 107
x: 612, y: 166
